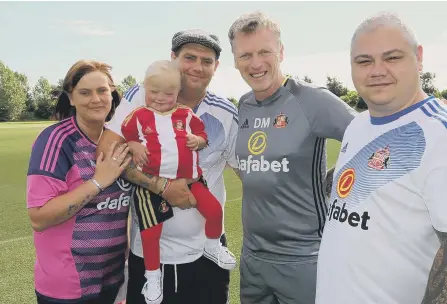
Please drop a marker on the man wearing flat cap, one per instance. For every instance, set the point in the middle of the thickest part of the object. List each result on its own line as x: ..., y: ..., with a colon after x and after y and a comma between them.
x: 188, y: 277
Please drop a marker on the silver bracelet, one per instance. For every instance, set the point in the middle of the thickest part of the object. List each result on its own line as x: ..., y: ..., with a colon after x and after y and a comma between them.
x: 97, y: 184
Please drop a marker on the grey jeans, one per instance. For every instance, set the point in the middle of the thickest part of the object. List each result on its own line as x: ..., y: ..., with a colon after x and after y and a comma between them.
x: 270, y: 282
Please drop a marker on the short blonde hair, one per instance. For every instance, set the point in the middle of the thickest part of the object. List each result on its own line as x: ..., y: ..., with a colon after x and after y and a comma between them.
x: 162, y: 67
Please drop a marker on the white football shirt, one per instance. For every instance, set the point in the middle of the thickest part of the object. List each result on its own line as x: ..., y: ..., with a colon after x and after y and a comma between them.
x: 183, y: 236
x: 388, y: 198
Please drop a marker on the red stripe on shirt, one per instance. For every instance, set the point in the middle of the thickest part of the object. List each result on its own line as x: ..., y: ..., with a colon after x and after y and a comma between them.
x: 185, y: 160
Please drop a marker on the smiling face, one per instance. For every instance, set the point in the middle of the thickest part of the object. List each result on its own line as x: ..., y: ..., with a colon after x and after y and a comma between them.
x: 197, y: 65
x: 92, y: 97
x: 257, y: 56
x: 161, y: 90
x: 385, y: 70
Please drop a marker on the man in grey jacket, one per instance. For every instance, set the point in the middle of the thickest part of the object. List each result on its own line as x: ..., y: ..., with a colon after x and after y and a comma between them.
x: 281, y: 152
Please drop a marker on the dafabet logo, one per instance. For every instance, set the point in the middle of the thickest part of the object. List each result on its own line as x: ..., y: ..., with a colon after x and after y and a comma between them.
x: 345, y: 182
x: 257, y: 145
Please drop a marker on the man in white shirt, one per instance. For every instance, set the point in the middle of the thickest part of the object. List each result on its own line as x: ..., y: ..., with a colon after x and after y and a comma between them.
x: 188, y: 277
x: 387, y: 217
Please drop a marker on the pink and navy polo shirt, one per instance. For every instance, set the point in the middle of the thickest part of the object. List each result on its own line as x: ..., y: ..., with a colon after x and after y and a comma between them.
x: 86, y: 254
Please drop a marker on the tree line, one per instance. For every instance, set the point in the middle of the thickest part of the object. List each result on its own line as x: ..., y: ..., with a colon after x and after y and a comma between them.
x: 353, y: 99
x: 19, y: 101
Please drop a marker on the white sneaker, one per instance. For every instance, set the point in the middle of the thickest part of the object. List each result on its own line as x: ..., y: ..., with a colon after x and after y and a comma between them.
x: 221, y: 256
x: 153, y: 288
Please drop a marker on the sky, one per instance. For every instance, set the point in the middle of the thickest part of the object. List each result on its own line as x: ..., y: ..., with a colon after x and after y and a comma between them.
x: 46, y: 38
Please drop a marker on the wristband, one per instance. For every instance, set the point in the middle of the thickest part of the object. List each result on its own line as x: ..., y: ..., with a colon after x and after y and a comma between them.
x: 97, y: 184
x: 159, y: 185
x: 166, y: 186
x: 166, y: 182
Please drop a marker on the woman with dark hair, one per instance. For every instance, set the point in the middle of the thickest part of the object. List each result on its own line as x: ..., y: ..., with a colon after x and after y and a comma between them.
x: 78, y: 205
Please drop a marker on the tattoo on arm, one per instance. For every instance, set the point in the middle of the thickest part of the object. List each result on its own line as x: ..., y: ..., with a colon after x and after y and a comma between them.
x: 436, y: 291
x: 75, y: 208
x: 131, y: 165
x: 131, y: 174
x: 72, y: 209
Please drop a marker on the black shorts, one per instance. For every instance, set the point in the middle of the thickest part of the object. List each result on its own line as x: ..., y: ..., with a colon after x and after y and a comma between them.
x: 198, y: 282
x: 151, y: 208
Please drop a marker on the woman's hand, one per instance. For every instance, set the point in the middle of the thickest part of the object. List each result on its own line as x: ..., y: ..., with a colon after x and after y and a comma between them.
x: 111, y: 165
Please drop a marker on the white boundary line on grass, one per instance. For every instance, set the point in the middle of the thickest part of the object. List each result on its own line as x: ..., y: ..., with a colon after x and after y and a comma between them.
x: 22, y: 238
x: 30, y: 236
x: 234, y: 199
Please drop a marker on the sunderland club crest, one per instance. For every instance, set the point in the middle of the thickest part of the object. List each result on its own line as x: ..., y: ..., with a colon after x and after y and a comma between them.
x: 280, y: 121
x: 163, y: 207
x: 380, y: 159
x: 179, y: 125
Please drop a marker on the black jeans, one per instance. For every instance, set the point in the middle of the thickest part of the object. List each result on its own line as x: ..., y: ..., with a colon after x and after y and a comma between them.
x: 106, y: 296
x: 199, y: 282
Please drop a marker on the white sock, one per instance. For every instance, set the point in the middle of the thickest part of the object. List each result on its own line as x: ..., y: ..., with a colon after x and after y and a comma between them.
x: 152, y: 273
x: 212, y: 244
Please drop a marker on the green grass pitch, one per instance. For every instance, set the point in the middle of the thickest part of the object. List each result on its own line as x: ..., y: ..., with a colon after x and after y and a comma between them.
x: 16, y: 246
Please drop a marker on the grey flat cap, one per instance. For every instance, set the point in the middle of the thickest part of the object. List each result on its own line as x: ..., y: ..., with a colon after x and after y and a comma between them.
x: 196, y: 36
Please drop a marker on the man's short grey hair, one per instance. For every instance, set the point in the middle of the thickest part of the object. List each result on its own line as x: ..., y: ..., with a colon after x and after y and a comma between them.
x: 250, y: 23
x: 160, y: 67
x: 386, y: 19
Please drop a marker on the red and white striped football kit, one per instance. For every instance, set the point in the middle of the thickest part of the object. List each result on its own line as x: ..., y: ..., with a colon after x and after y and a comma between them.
x: 164, y: 135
